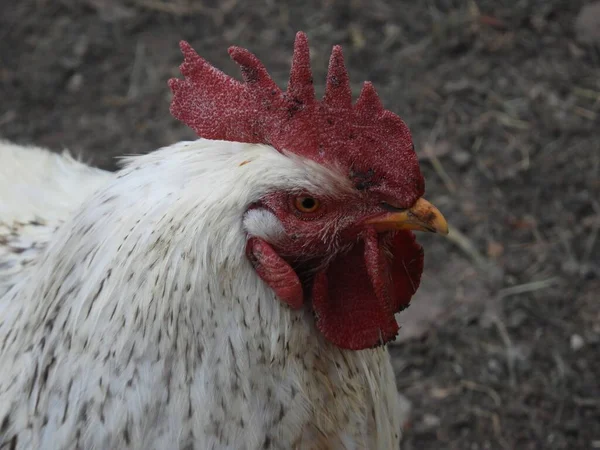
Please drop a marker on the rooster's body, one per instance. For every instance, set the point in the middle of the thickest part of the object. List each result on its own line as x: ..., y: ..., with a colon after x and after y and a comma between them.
x: 202, y: 353
x: 147, y: 308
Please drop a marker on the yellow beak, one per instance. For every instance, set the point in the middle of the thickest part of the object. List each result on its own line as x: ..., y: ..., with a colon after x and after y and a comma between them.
x: 422, y: 216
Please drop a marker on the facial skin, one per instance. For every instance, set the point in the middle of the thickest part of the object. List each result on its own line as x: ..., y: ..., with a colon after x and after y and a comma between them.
x: 353, y: 256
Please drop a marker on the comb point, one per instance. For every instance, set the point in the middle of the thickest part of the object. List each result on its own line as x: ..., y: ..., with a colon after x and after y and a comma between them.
x: 300, y: 85
x: 254, y: 72
x: 337, y: 88
x: 369, y: 103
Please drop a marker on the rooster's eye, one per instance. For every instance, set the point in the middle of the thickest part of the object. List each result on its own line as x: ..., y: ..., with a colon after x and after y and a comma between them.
x: 307, y: 204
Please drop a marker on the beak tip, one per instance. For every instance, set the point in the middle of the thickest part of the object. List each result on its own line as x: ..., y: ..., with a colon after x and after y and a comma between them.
x: 431, y: 216
x: 441, y: 226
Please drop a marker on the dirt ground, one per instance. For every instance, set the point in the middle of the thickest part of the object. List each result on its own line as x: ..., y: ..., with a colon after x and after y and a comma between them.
x: 501, y: 347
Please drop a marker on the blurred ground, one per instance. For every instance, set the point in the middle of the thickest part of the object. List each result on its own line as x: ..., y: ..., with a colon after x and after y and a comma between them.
x: 501, y: 347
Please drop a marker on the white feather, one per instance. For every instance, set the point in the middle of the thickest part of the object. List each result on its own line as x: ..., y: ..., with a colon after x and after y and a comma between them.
x: 38, y: 192
x: 143, y: 325
x: 263, y: 224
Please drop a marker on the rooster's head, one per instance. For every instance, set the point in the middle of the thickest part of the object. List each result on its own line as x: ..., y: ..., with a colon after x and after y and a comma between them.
x: 347, y: 251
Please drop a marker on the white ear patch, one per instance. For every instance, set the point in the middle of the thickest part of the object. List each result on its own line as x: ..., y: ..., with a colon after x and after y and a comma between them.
x: 263, y: 224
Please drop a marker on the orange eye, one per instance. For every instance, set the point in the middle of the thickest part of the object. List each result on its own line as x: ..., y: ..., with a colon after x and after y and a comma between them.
x: 307, y: 204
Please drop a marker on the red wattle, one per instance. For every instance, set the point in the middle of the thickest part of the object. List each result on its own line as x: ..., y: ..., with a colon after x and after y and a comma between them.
x: 274, y: 271
x: 356, y: 296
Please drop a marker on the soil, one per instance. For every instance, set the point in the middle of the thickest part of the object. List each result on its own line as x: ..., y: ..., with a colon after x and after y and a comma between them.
x: 501, y: 347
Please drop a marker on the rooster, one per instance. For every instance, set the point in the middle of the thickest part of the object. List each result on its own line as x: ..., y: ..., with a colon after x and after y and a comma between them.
x: 232, y: 292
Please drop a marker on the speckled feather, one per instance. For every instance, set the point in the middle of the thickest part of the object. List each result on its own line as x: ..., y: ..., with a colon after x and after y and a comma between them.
x: 38, y: 190
x: 139, y: 323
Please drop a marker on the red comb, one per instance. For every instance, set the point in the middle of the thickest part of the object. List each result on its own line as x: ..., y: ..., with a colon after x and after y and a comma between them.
x: 371, y: 144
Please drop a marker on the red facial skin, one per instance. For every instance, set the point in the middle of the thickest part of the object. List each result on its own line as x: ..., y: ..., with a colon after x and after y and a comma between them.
x: 355, y: 279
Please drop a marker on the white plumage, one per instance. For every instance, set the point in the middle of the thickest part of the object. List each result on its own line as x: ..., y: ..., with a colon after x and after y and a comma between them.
x: 130, y: 316
x: 38, y: 191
